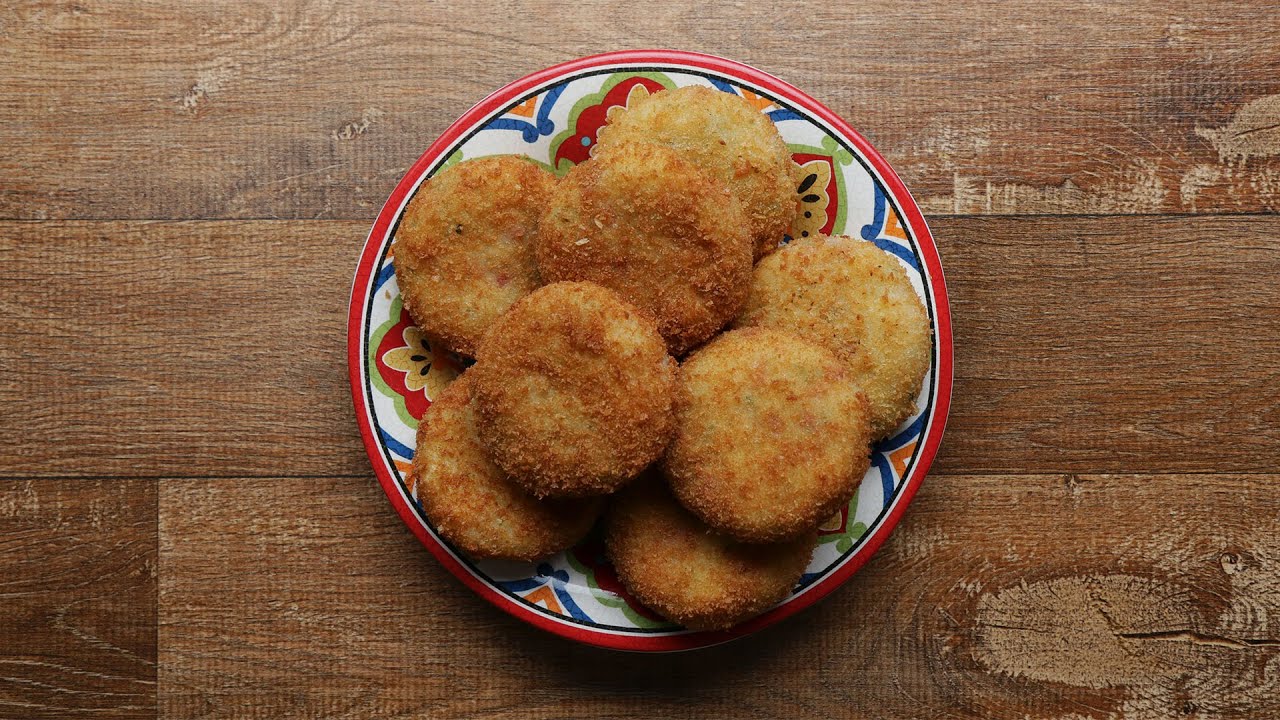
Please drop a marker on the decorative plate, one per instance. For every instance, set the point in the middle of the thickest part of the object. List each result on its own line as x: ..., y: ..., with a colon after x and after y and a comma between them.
x: 552, y: 116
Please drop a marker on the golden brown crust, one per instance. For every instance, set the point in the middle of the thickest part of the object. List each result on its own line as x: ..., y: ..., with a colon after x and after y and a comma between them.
x: 728, y: 138
x: 574, y: 390
x: 469, y: 500
x: 647, y: 224
x: 464, y: 248
x: 772, y: 436
x: 855, y: 299
x: 674, y: 564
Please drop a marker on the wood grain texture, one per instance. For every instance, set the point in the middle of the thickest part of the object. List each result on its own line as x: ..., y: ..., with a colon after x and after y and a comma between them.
x: 1082, y: 345
x: 314, y: 109
x: 184, y: 190
x: 177, y: 348
x: 1113, y: 344
x: 999, y: 597
x: 77, y: 598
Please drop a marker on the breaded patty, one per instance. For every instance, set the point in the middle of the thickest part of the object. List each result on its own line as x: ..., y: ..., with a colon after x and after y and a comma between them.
x: 469, y: 500
x: 647, y: 224
x: 676, y: 565
x: 574, y: 390
x: 464, y: 248
x: 724, y: 135
x: 856, y: 299
x: 772, y: 435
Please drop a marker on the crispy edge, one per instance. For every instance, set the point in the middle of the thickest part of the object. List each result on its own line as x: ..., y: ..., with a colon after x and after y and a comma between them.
x: 645, y: 516
x: 560, y: 524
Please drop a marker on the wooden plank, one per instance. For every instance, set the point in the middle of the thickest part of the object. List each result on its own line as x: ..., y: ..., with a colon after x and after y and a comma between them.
x: 1113, y: 344
x: 998, y: 597
x: 77, y: 598
x: 178, y: 348
x: 1082, y: 345
x: 304, y: 110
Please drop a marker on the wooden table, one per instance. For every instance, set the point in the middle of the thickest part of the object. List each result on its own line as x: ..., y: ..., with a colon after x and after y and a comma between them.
x: 189, y: 526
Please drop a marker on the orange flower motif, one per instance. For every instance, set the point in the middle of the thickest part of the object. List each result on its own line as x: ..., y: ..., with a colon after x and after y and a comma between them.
x: 833, y: 524
x: 815, y: 175
x: 420, y: 364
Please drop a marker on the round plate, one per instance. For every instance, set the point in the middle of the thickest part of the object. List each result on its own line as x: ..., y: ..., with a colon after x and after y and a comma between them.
x: 552, y: 116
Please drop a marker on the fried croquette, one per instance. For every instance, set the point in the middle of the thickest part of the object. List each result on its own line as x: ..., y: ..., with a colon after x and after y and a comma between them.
x: 724, y: 135
x: 574, y: 390
x: 469, y: 500
x: 677, y: 566
x: 647, y: 224
x: 772, y: 435
x: 464, y: 248
x: 856, y: 299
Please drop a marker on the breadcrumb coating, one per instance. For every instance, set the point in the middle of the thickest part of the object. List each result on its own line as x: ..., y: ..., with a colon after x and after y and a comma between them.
x: 728, y: 138
x: 647, y: 224
x: 472, y: 503
x: 855, y: 299
x: 674, y: 564
x: 772, y: 435
x: 464, y: 247
x: 574, y: 391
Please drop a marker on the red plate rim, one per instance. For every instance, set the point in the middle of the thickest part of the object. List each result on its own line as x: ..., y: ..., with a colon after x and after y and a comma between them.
x: 933, y: 276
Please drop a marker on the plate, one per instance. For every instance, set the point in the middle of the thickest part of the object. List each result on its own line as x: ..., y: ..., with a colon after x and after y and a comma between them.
x: 552, y: 116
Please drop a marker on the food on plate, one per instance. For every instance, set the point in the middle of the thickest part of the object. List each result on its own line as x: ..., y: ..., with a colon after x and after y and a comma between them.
x: 574, y: 391
x: 472, y: 503
x: 671, y: 561
x: 772, y: 435
x: 464, y: 247
x: 726, y: 136
x: 855, y: 299
x: 711, y: 477
x: 646, y: 223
